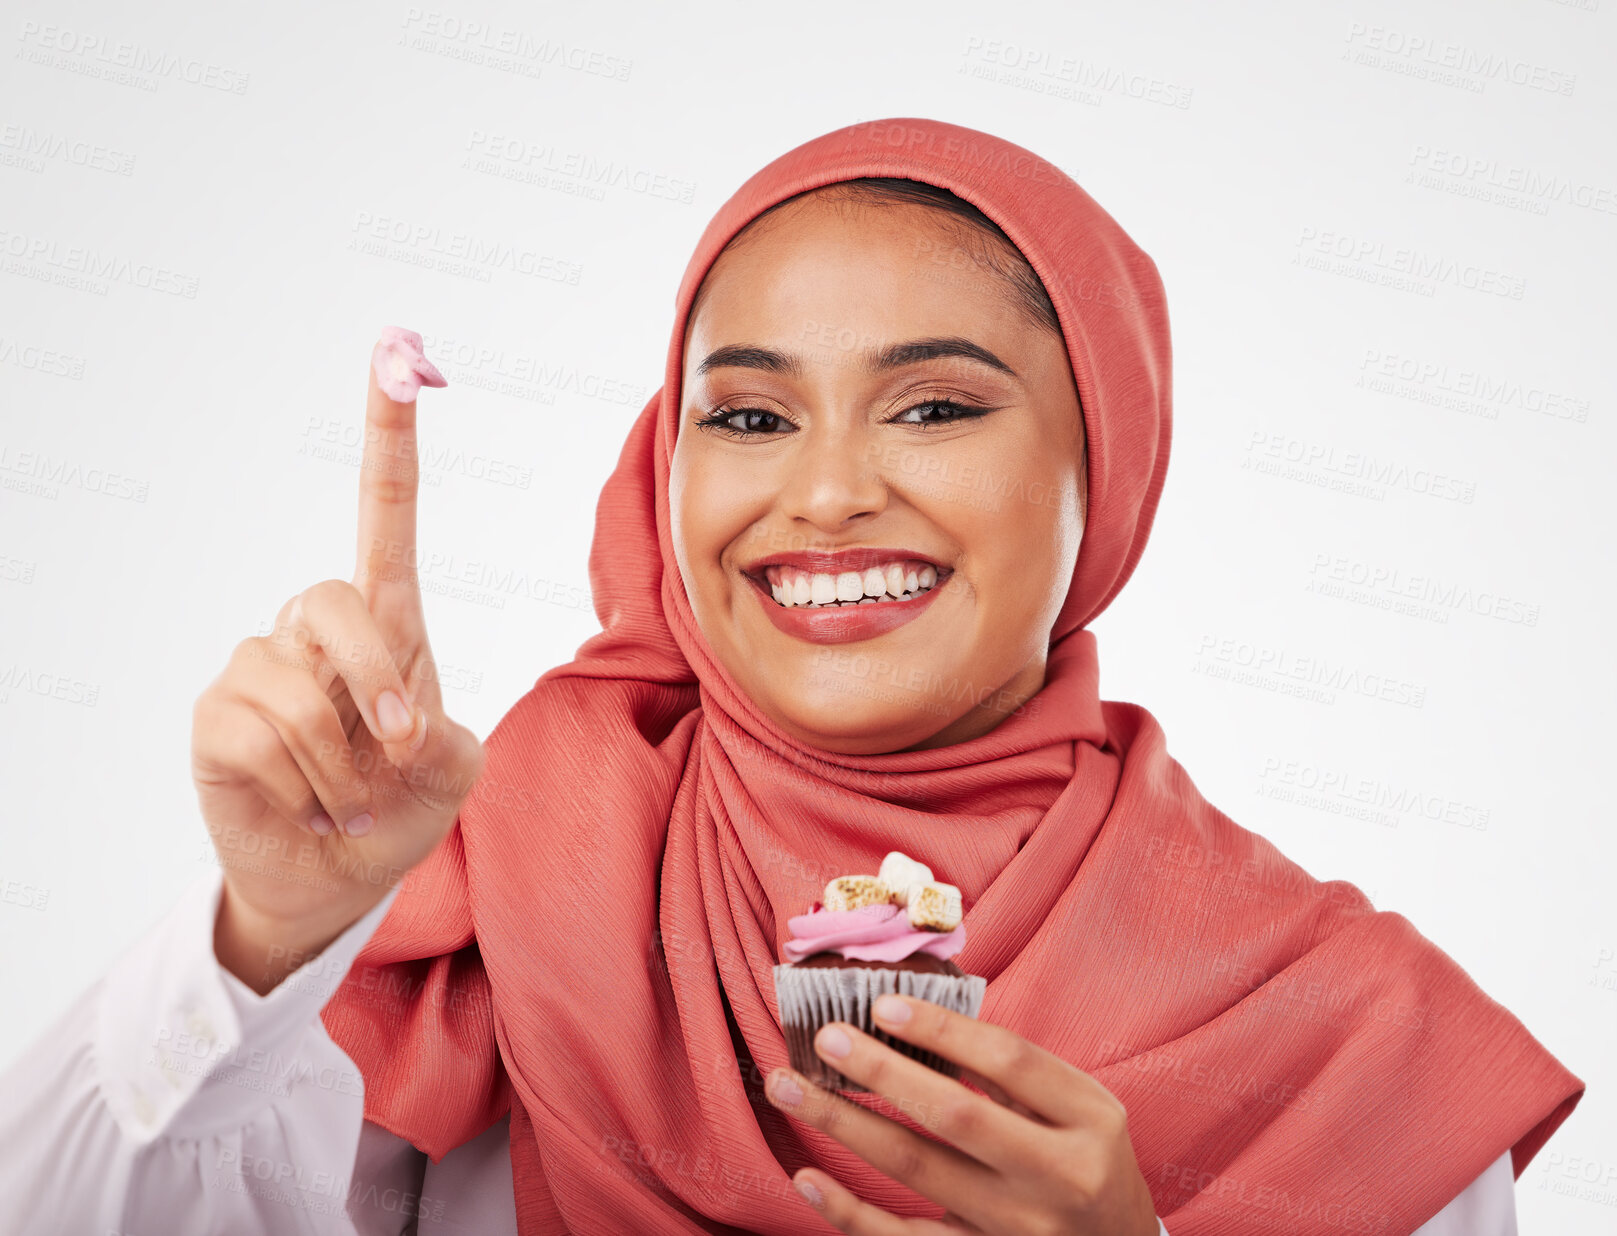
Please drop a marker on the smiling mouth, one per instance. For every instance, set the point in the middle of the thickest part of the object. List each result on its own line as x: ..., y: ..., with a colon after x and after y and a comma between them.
x: 890, y: 583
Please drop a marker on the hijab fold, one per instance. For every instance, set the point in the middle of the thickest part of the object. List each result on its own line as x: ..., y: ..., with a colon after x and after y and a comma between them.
x: 590, y: 948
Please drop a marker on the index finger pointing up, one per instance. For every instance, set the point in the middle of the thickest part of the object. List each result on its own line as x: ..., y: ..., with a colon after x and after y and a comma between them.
x: 389, y: 472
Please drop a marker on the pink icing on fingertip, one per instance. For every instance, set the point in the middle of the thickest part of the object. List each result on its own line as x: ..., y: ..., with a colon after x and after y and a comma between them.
x: 401, y: 366
x: 870, y: 933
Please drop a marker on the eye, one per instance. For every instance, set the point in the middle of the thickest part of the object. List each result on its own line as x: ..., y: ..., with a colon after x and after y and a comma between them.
x: 753, y: 422
x: 742, y: 423
x: 950, y: 411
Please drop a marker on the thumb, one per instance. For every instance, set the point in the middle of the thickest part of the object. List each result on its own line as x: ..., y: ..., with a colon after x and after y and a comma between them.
x: 440, y: 762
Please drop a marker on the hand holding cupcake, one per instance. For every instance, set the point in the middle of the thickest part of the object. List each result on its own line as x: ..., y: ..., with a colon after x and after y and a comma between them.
x: 891, y: 932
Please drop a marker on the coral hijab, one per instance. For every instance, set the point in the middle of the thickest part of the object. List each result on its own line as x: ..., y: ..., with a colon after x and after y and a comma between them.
x: 591, y: 945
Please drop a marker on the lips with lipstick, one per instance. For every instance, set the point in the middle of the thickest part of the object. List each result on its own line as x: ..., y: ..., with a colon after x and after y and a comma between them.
x: 837, y: 596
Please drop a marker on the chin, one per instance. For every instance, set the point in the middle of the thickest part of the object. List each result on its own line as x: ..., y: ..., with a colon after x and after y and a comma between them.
x: 839, y: 716
x: 846, y: 698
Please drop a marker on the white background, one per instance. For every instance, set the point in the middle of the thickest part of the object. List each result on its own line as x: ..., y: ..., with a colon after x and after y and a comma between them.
x: 173, y: 466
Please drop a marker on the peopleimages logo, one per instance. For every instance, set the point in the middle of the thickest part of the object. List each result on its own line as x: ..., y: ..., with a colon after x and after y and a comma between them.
x: 516, y: 158
x: 479, y: 42
x: 1472, y: 391
x: 1315, y: 678
x: 1427, y: 588
x: 1335, y: 784
x: 46, y: 471
x: 31, y: 148
x: 1393, y: 46
x: 40, y: 256
x: 1436, y: 268
x: 992, y: 157
x: 390, y: 236
x: 97, y: 55
x: 1355, y: 472
x: 40, y: 360
x: 1043, y: 66
x: 1473, y: 175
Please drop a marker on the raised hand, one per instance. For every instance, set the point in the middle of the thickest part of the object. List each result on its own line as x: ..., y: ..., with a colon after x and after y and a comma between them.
x: 323, y: 761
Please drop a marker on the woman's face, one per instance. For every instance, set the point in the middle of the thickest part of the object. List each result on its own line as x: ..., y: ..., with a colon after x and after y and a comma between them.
x: 850, y: 450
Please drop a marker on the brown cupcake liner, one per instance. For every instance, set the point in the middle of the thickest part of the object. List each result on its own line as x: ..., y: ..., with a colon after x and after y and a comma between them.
x: 811, y: 996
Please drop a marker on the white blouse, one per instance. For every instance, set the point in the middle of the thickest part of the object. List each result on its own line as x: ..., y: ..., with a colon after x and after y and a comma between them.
x: 171, y: 1098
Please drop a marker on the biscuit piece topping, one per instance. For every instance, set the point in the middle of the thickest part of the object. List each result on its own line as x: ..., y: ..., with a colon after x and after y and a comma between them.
x: 930, y: 905
x: 901, y: 873
x: 852, y: 892
x: 934, y: 906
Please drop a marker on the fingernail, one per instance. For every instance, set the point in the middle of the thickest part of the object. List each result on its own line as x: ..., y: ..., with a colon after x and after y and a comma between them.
x: 811, y: 1195
x: 421, y: 738
x: 785, y: 1091
x: 892, y: 1010
x: 396, y: 719
x: 359, y: 825
x: 833, y: 1042
x: 321, y: 823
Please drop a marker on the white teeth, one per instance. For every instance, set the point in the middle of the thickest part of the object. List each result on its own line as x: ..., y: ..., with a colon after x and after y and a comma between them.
x: 874, y: 585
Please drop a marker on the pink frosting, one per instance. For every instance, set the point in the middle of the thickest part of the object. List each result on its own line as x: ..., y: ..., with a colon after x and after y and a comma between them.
x: 870, y: 933
x: 402, y: 368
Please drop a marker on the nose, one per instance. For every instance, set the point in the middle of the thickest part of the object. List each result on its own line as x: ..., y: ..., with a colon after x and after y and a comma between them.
x: 835, y: 478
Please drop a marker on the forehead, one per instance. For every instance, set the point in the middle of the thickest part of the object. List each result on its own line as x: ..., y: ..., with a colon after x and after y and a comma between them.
x: 871, y: 272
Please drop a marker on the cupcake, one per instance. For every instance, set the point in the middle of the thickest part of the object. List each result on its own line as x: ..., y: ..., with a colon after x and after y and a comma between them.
x: 891, y: 932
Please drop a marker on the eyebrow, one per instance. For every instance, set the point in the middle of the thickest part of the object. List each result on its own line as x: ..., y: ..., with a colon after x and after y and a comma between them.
x: 894, y: 356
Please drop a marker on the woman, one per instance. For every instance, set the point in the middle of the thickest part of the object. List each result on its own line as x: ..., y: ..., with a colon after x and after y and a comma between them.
x: 969, y: 385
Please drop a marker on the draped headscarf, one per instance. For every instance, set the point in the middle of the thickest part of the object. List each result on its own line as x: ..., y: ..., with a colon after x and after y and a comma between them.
x: 590, y: 948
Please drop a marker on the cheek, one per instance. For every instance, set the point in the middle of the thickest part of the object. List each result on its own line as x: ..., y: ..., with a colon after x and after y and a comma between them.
x: 1016, y: 524
x: 679, y: 524
x: 696, y: 524
x: 1018, y: 549
x: 712, y: 502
